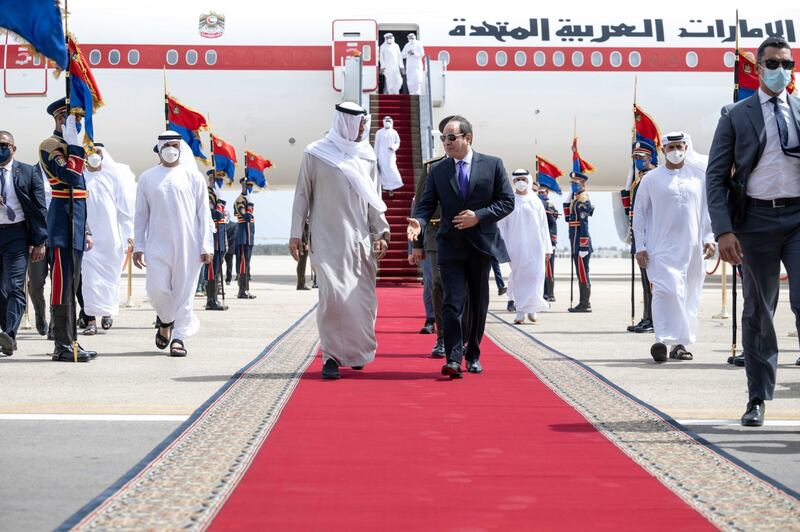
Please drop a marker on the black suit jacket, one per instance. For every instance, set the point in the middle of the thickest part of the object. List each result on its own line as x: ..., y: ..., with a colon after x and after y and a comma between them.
x: 490, y: 197
x: 29, y: 188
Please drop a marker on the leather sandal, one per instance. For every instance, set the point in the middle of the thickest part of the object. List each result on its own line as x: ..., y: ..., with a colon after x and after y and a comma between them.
x: 163, y: 341
x: 177, y: 349
x: 679, y: 352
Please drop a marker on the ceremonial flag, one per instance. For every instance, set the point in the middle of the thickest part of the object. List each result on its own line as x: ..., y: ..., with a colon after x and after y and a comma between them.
x: 254, y: 171
x: 224, y: 160
x: 647, y: 131
x: 745, y: 76
x: 84, y: 94
x: 39, y: 23
x: 188, y: 123
x: 578, y: 164
x: 547, y: 174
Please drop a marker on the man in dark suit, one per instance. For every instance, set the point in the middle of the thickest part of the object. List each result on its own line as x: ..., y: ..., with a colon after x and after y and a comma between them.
x: 474, y: 193
x: 22, y: 225
x: 753, y: 189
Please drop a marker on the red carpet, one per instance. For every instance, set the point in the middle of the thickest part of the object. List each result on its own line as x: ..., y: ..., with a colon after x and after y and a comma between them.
x: 398, y: 447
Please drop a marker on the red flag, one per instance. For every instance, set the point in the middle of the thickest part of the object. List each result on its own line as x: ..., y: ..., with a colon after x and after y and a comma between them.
x: 578, y: 164
x: 646, y: 127
x: 185, y: 117
x: 543, y: 166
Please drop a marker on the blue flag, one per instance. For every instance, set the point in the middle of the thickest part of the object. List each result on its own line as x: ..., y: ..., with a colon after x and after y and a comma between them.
x: 39, y: 23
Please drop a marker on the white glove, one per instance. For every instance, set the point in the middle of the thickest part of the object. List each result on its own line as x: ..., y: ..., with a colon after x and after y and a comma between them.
x: 70, y: 131
x: 583, y: 254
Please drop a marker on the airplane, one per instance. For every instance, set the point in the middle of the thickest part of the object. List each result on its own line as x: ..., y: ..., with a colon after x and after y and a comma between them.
x: 527, y: 78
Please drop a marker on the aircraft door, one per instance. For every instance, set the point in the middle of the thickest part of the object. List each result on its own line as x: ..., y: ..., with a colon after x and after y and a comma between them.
x: 355, y: 38
x: 23, y: 74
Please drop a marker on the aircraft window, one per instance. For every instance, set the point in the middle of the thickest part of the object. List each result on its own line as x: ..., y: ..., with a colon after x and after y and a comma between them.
x: 211, y: 57
x: 501, y: 58
x: 191, y: 57
x: 133, y: 57
x: 482, y: 58
x: 37, y: 60
x: 558, y: 59
x: 113, y: 57
x: 691, y: 59
x: 635, y: 59
x: 520, y: 59
x: 539, y: 58
x: 577, y: 58
x: 94, y: 57
x: 615, y: 59
x: 444, y: 57
x: 172, y: 57
x: 366, y: 53
x: 729, y: 59
x: 597, y: 59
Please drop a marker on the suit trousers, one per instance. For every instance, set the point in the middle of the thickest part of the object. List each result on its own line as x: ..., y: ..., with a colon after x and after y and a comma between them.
x: 302, y: 260
x: 437, y: 291
x: 498, y: 274
x: 768, y: 237
x: 37, y: 277
x: 461, y: 280
x: 427, y: 288
x: 229, y: 264
x: 647, y: 293
x: 13, y: 264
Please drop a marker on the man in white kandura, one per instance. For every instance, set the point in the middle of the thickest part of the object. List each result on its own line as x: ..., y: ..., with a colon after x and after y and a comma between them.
x: 387, y: 142
x: 109, y: 212
x: 391, y: 65
x: 673, y: 235
x: 174, y: 236
x: 338, y: 192
x: 413, y: 52
x: 527, y: 237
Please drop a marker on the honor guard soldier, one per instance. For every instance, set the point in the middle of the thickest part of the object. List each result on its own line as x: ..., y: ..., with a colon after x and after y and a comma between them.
x: 245, y: 235
x: 62, y: 158
x: 214, y: 270
x: 577, y: 213
x: 546, y: 184
x: 645, y: 158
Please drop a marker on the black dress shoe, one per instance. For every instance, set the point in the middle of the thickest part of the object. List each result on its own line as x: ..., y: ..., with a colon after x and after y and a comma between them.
x: 754, y: 416
x: 632, y: 328
x: 303, y: 288
x: 797, y: 362
x: 41, y: 326
x: 63, y: 353
x: 215, y: 305
x: 502, y: 290
x: 580, y: 308
x: 452, y: 370
x: 92, y: 354
x: 330, y: 370
x: 644, y: 326
x: 511, y: 307
x: 474, y: 367
x: 659, y: 352
x: 357, y: 368
x: 738, y: 360
x: 428, y: 328
x: 438, y: 349
x: 6, y: 343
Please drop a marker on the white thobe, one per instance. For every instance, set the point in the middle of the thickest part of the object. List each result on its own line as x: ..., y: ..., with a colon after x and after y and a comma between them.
x: 391, y: 62
x: 413, y: 54
x: 671, y: 223
x: 527, y: 239
x: 173, y: 228
x: 342, y: 228
x: 109, y: 213
x: 387, y: 142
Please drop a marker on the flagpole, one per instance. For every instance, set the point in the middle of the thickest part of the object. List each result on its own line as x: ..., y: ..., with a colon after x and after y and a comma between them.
x: 70, y: 240
x: 630, y: 209
x: 216, y: 225
x: 723, y: 312
x: 166, y: 101
x: 736, y: 62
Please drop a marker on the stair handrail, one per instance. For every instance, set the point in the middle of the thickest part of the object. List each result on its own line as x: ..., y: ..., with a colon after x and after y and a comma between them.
x: 426, y: 114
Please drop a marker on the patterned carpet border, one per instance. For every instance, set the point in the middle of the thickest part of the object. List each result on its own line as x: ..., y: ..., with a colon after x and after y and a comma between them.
x: 721, y: 488
x: 187, y: 478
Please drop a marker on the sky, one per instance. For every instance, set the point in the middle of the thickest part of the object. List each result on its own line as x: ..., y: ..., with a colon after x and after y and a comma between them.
x: 273, y: 212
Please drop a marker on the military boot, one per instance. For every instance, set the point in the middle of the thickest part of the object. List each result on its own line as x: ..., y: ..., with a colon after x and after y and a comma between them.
x: 63, y: 336
x: 212, y: 303
x: 583, y: 305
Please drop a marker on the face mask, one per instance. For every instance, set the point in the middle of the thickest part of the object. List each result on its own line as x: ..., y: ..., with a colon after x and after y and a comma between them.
x: 387, y: 124
x: 641, y: 164
x: 249, y: 189
x: 577, y: 188
x: 94, y: 160
x: 170, y: 154
x: 676, y: 156
x: 776, y: 80
x: 5, y: 154
x: 390, y: 41
x: 521, y: 185
x: 543, y: 194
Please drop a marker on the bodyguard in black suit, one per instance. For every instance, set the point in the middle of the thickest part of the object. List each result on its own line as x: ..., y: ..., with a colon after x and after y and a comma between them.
x: 753, y: 189
x: 22, y: 225
x: 474, y: 193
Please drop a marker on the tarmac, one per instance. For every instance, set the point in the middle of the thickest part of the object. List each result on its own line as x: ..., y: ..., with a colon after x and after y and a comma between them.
x: 69, y: 431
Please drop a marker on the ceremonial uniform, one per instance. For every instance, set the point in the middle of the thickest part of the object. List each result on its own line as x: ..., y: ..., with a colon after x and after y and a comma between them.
x: 552, y: 215
x: 245, y: 235
x: 577, y: 213
x: 214, y: 270
x: 63, y: 167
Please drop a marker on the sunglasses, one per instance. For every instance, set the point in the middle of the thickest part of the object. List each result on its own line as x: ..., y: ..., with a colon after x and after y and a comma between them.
x: 450, y: 137
x: 772, y: 64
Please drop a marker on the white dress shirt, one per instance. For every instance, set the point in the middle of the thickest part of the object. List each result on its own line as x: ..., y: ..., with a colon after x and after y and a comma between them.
x: 468, y: 166
x: 11, y: 195
x: 776, y: 175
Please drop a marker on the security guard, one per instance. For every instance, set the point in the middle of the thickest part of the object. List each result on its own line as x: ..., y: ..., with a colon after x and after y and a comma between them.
x: 547, y: 184
x: 62, y: 157
x: 245, y: 235
x: 214, y: 274
x: 645, y: 158
x: 577, y: 213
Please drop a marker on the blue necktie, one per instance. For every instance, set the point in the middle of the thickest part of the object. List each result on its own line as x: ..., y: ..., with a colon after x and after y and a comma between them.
x: 783, y: 127
x: 9, y: 211
x: 463, y: 182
